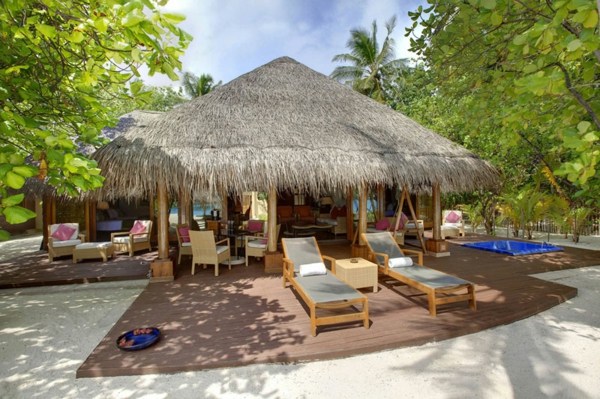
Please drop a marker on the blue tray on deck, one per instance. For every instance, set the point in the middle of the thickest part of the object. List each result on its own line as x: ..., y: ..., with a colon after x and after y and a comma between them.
x: 138, y: 338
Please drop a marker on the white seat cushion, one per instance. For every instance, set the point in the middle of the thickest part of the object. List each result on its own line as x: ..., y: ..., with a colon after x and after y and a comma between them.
x: 125, y: 239
x: 90, y: 245
x: 221, y: 248
x: 66, y: 243
x: 257, y: 244
x: 186, y: 244
x: 332, y: 222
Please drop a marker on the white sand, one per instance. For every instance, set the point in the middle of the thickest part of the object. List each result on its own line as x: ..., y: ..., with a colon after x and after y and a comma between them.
x: 47, y: 332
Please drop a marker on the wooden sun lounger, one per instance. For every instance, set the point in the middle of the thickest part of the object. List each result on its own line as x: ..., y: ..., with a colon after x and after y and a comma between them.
x: 441, y: 288
x: 322, y: 292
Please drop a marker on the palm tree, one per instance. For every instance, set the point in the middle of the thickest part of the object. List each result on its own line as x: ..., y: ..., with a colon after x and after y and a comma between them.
x: 370, y: 66
x: 195, y: 86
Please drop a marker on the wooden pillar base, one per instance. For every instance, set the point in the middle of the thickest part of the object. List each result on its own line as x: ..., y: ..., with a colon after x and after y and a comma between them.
x: 273, y: 262
x: 437, y: 248
x: 360, y: 251
x: 161, y: 270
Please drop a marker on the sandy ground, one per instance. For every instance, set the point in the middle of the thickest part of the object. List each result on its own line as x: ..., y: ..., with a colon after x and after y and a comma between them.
x: 47, y: 332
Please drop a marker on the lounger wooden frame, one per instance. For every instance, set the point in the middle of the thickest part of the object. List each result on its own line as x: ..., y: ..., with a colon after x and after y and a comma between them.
x: 436, y: 296
x: 316, y: 320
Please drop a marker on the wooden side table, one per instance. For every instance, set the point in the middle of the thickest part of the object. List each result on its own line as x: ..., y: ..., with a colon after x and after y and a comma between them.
x: 357, y: 272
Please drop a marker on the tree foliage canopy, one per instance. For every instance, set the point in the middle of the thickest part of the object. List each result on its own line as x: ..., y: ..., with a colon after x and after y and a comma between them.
x: 530, y: 72
x: 59, y: 61
x: 370, y: 66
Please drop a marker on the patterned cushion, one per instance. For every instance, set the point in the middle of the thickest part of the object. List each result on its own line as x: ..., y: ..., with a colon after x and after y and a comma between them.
x: 382, y: 224
x: 63, y: 233
x: 453, y: 217
x: 139, y: 227
x: 184, y: 233
x: 403, y: 220
x: 255, y: 226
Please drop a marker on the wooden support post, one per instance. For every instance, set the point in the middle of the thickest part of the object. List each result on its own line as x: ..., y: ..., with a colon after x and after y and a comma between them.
x: 90, y: 220
x: 273, y: 258
x: 359, y: 249
x: 185, y: 207
x: 162, y: 266
x: 349, y: 214
x: 437, y: 246
x: 380, y: 201
x: 49, y: 210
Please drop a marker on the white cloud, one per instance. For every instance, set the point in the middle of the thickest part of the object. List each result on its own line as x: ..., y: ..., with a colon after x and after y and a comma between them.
x: 235, y: 36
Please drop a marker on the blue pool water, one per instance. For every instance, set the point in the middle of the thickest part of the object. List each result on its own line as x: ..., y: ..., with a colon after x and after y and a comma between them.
x: 509, y: 247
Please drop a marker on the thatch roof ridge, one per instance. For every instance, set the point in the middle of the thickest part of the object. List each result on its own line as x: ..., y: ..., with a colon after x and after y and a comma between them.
x: 287, y: 125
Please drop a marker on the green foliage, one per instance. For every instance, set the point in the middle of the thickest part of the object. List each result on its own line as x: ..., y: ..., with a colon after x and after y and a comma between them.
x: 196, y: 86
x: 529, y: 72
x: 370, y: 67
x: 59, y: 62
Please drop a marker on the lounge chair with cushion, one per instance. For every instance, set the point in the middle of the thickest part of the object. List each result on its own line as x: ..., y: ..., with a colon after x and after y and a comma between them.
x: 135, y: 239
x: 319, y: 288
x: 183, y: 241
x: 441, y: 288
x: 205, y: 250
x: 256, y: 245
x: 62, y: 239
x: 452, y: 224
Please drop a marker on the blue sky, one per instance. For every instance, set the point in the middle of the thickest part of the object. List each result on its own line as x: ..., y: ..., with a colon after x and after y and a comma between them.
x: 232, y: 37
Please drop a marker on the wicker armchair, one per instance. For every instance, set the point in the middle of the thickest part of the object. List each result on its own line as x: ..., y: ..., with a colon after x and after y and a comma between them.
x: 135, y: 239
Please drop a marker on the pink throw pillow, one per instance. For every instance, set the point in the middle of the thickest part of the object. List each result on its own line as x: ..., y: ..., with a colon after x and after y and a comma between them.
x: 138, y: 227
x: 453, y: 217
x: 63, y: 232
x: 255, y: 226
x: 184, y: 233
x: 403, y: 220
x: 382, y: 224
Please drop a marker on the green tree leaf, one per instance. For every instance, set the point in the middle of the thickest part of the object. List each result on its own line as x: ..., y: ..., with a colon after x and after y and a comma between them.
x: 18, y: 214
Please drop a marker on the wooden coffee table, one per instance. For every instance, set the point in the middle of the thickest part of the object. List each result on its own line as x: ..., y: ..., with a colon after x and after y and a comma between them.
x: 357, y: 272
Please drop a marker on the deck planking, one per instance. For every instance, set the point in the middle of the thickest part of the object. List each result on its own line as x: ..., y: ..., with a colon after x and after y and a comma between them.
x: 245, y: 316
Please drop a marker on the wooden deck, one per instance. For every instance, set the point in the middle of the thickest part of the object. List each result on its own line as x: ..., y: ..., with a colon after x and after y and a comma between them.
x: 245, y: 316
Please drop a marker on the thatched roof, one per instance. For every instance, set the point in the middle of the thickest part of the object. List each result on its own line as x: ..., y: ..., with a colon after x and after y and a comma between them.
x: 286, y: 125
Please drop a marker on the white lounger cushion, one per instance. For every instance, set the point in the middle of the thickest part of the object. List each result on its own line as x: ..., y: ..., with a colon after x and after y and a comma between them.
x: 400, y: 262
x: 313, y: 269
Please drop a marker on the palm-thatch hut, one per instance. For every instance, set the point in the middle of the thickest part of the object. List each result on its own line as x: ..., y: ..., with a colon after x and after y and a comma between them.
x: 279, y: 126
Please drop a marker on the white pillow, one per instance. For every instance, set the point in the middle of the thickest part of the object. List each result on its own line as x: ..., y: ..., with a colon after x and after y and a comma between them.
x: 400, y: 262
x: 313, y: 269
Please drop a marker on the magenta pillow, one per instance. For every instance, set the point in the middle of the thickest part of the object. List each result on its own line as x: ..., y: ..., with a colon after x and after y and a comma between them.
x: 255, y: 226
x: 63, y: 232
x: 184, y: 233
x: 138, y: 227
x: 403, y: 220
x: 453, y: 217
x: 382, y: 224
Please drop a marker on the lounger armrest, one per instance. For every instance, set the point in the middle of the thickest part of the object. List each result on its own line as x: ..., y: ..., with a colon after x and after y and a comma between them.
x: 288, y: 268
x: 386, y: 259
x: 413, y: 253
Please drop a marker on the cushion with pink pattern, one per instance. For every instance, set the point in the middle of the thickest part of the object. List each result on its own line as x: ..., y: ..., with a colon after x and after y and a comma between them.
x: 138, y: 227
x: 453, y: 217
x: 63, y: 233
x: 184, y: 233
x: 255, y: 226
x: 382, y: 224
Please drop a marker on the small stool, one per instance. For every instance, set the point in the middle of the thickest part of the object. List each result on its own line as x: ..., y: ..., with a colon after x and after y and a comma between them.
x: 93, y: 250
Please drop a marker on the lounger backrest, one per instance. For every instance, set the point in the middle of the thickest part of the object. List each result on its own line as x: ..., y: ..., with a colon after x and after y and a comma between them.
x: 301, y: 251
x: 383, y: 243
